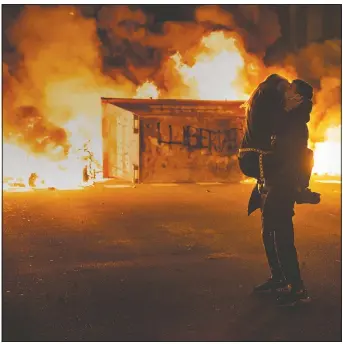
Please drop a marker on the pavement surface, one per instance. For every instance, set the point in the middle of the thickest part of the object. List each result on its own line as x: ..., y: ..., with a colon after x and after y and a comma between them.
x: 161, y: 263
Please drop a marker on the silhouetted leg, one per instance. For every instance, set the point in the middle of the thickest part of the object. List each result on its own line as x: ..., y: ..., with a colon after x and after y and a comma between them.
x: 268, y: 237
x: 287, y: 253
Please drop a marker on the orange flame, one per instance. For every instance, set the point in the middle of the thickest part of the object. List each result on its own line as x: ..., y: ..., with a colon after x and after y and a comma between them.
x: 221, y: 69
x: 66, y: 174
x: 147, y: 90
x: 327, y: 154
x: 216, y: 70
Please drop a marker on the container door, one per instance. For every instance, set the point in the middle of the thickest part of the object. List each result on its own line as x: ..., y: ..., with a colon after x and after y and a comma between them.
x: 121, y: 143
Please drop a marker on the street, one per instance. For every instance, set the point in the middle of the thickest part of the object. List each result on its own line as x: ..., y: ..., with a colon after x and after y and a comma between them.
x: 161, y: 263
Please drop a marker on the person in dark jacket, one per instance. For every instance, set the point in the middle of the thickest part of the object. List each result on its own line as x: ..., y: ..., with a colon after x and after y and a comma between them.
x: 290, y: 141
x: 262, y: 111
x: 276, y: 192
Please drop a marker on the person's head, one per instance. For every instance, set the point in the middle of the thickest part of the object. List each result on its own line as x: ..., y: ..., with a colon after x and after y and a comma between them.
x: 277, y: 82
x: 299, y: 100
x: 303, y: 88
x: 274, y: 85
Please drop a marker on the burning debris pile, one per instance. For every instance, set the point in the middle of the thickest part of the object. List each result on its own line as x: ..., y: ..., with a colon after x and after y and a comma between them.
x: 64, y: 62
x: 29, y: 127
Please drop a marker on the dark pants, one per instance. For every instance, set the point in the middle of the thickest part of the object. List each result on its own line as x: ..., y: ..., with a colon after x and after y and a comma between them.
x: 278, y: 234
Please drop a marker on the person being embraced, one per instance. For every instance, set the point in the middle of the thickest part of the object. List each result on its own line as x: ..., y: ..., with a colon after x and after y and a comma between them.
x: 290, y: 141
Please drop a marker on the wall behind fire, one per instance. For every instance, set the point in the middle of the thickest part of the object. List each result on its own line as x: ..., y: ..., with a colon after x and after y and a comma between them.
x: 189, y: 149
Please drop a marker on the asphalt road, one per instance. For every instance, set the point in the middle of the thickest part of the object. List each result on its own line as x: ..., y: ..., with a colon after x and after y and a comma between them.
x: 160, y: 263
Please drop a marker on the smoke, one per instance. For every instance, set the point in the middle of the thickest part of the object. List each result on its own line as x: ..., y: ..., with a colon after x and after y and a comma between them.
x: 123, y: 30
x: 39, y: 134
x: 57, y: 78
x: 320, y: 65
x: 260, y: 27
x: 257, y: 26
x: 213, y: 15
x: 130, y: 43
x: 65, y: 61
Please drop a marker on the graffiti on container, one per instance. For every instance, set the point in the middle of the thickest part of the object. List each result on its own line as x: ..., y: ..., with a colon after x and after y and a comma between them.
x: 219, y: 141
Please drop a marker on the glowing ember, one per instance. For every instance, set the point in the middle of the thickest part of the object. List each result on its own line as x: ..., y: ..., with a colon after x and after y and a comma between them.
x: 327, y: 154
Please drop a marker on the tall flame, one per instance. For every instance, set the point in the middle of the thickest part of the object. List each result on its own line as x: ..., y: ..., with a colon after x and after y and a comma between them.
x: 216, y: 70
x: 220, y: 69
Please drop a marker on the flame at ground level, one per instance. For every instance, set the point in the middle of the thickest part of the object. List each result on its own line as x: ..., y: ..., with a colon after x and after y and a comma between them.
x: 19, y: 166
x: 218, y: 69
x: 327, y: 154
x: 20, y: 169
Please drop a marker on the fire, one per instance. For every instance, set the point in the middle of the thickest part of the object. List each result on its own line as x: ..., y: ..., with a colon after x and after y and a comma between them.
x: 216, y: 70
x: 327, y: 154
x: 147, y: 90
x: 24, y: 169
x: 220, y: 69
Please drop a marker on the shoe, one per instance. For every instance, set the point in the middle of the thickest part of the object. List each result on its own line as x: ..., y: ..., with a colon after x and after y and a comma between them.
x: 293, y: 298
x: 271, y: 285
x: 307, y: 196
